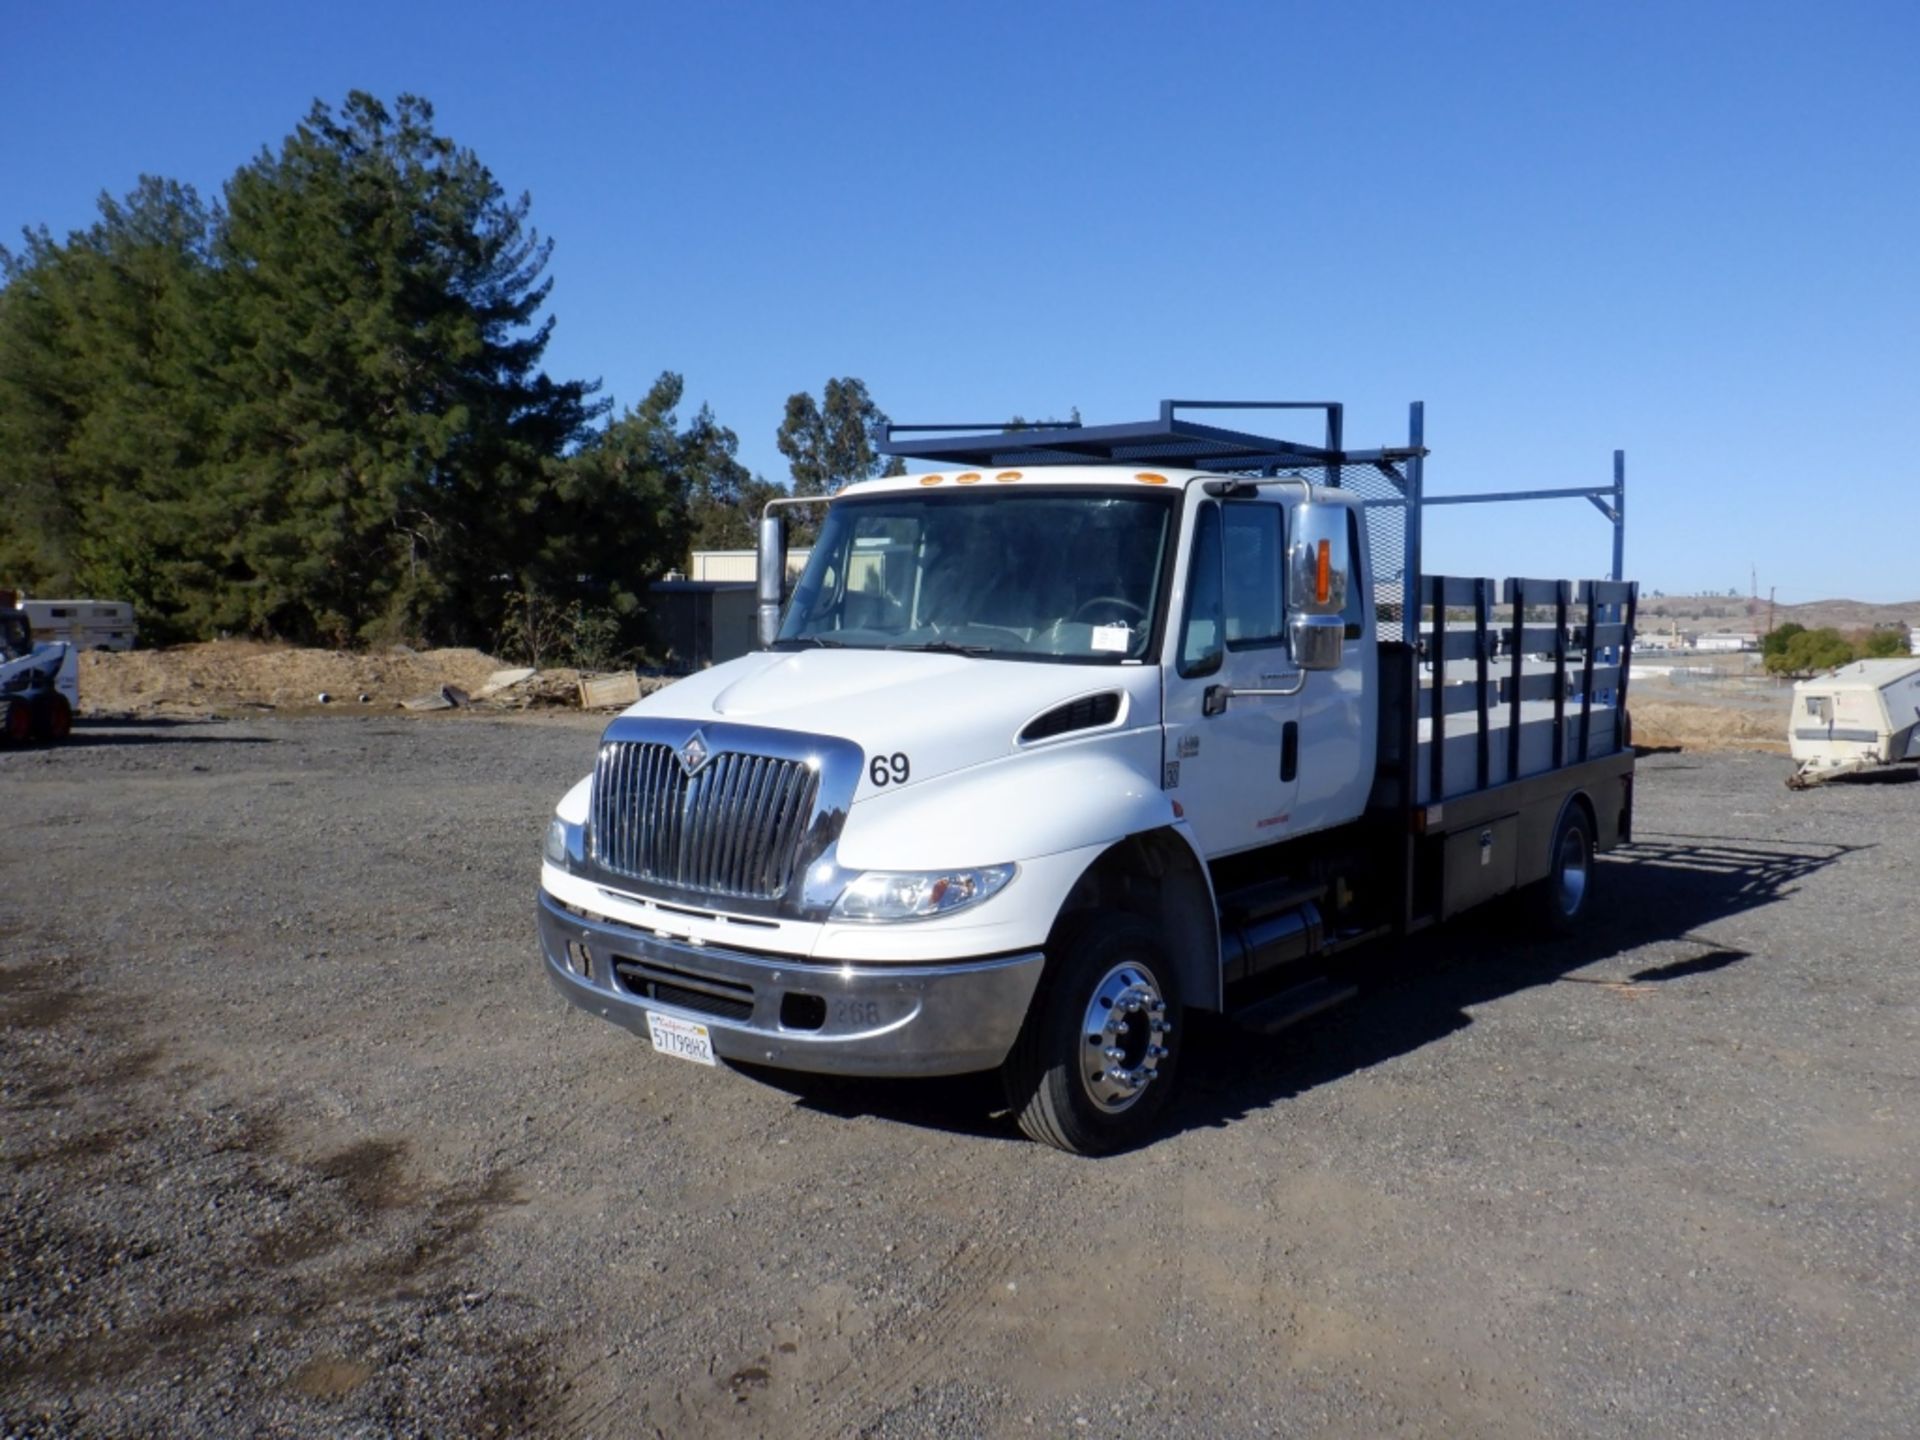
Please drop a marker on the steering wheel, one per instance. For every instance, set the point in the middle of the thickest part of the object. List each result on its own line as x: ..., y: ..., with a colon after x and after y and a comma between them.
x: 1119, y: 602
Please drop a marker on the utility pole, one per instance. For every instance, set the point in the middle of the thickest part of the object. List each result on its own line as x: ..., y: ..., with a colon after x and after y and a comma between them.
x: 1771, y: 589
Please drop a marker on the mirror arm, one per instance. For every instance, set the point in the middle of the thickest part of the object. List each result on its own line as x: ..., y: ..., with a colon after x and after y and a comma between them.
x: 1214, y: 700
x: 780, y: 501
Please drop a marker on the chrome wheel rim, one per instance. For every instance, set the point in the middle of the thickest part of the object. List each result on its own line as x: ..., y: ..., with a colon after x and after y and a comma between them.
x: 1571, y: 873
x: 1123, y: 1037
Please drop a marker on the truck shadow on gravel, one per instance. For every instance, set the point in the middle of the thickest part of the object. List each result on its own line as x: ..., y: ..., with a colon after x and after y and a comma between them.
x: 971, y: 1105
x: 1662, y: 889
x: 1410, y: 995
x: 158, y: 730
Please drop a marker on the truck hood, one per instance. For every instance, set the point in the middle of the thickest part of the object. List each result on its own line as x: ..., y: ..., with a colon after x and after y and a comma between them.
x: 941, y: 712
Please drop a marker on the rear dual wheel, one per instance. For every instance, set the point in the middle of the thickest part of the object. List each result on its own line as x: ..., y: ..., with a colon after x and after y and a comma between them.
x: 1560, y: 903
x: 1095, y: 1061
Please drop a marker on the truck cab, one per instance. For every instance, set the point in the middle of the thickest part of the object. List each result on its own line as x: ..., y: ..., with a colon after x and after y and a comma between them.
x: 1038, y: 758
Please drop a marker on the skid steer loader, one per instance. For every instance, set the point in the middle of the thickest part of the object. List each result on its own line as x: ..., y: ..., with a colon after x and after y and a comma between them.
x: 39, y: 683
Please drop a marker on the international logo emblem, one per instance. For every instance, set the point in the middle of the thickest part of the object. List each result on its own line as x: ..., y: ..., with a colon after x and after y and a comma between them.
x: 694, y: 753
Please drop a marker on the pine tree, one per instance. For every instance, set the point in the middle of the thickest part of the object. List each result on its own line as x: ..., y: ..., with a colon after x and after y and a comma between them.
x: 107, y: 416
x: 389, y: 453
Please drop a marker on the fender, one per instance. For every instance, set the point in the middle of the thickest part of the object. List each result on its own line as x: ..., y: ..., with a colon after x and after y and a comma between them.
x: 1161, y: 876
x: 1085, y: 821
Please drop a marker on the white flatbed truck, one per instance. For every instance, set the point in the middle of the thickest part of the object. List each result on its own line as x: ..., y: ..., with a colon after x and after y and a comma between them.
x: 1083, y: 731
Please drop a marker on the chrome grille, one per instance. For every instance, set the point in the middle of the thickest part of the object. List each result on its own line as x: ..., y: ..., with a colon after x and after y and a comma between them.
x: 732, y: 828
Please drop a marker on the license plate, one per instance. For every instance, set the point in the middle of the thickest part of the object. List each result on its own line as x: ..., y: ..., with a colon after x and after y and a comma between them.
x: 684, y: 1039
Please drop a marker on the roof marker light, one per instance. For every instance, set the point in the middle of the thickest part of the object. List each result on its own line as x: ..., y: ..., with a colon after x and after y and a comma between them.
x: 930, y: 479
x: 972, y: 477
x: 1147, y: 477
x: 1006, y: 475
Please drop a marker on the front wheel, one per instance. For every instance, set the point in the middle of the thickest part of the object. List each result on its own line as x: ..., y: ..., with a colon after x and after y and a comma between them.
x: 1095, y: 1061
x: 53, y: 718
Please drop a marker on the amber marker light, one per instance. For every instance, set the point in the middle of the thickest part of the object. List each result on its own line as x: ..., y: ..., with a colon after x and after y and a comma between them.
x: 972, y: 477
x: 1323, y: 574
x: 1147, y: 477
x: 929, y: 479
x: 1005, y: 475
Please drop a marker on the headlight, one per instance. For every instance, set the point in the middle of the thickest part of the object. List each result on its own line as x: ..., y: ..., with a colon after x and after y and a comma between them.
x: 560, y: 848
x: 918, y: 894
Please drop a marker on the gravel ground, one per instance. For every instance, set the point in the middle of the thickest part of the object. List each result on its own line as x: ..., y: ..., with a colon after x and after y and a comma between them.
x: 297, y: 1142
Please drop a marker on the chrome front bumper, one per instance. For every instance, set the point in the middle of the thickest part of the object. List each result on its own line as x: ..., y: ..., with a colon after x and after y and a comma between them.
x: 946, y: 1018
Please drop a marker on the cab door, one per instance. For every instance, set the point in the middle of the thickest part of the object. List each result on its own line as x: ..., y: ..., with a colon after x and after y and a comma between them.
x: 1233, y: 772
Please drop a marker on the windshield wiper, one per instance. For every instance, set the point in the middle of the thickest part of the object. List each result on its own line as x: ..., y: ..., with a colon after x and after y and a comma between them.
x: 945, y: 647
x: 822, y: 641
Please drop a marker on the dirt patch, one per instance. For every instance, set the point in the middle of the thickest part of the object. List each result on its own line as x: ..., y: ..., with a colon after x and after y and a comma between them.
x: 324, y: 1378
x: 231, y: 676
x: 224, y: 674
x: 1665, y: 724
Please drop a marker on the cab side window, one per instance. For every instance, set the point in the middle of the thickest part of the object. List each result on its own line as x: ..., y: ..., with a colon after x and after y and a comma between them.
x: 1255, y: 608
x: 1354, y: 612
x: 1200, y: 629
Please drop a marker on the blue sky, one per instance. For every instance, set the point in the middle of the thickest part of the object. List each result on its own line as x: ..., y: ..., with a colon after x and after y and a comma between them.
x: 1686, y: 230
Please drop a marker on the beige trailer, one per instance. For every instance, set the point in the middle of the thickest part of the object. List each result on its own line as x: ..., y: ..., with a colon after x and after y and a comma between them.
x: 1863, y: 716
x: 83, y: 624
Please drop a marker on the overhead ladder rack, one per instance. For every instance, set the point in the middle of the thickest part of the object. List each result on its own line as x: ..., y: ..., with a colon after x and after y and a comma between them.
x: 1171, y: 440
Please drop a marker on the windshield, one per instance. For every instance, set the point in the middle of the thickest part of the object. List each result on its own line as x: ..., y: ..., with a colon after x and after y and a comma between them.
x: 1043, y: 575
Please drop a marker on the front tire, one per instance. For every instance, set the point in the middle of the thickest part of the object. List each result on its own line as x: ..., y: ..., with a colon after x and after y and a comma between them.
x: 53, y: 718
x: 1096, y: 1059
x: 16, y: 721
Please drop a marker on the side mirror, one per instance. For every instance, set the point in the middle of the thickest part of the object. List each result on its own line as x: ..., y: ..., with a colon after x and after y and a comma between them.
x: 1318, y: 641
x: 1317, y: 562
x: 770, y: 570
x: 1317, y: 569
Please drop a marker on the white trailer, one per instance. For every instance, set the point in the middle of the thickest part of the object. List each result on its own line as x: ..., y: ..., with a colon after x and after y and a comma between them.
x: 1863, y: 716
x: 83, y: 624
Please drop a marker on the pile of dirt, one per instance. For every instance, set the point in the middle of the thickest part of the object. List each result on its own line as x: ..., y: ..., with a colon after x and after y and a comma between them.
x: 1664, y: 724
x: 228, y: 675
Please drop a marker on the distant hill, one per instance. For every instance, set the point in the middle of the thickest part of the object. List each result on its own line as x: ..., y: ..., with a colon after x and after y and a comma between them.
x: 1727, y: 612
